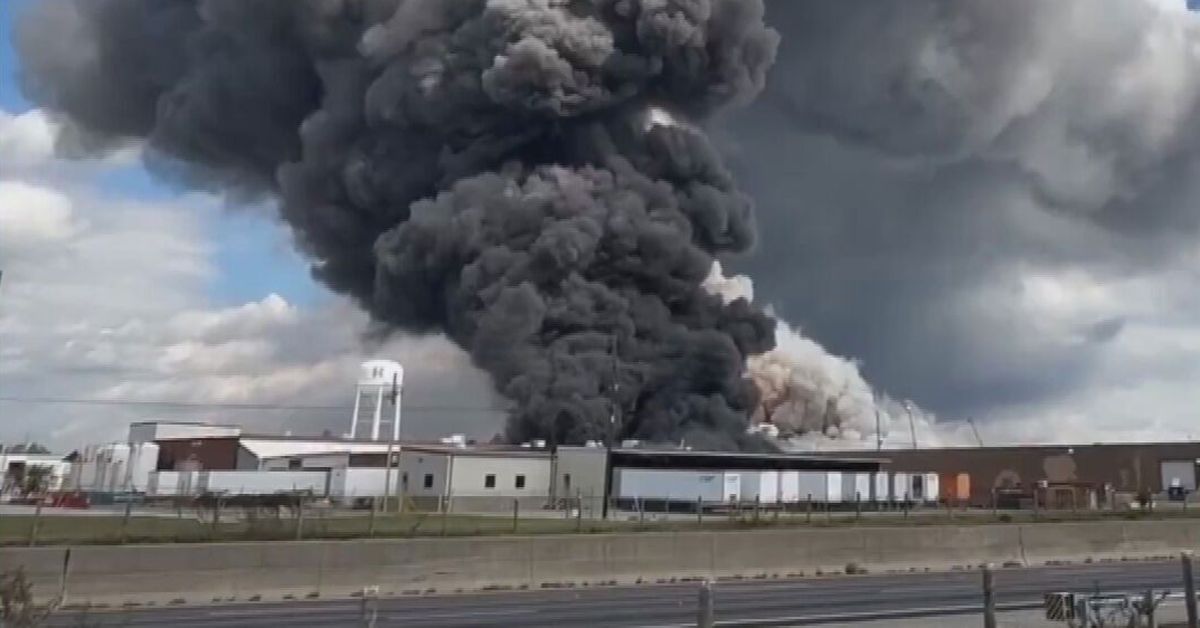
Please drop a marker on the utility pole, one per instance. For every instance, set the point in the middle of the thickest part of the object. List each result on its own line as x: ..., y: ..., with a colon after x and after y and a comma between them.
x: 614, y: 408
x: 614, y: 416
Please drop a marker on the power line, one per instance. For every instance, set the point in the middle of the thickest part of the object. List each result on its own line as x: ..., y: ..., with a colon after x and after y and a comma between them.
x: 226, y: 406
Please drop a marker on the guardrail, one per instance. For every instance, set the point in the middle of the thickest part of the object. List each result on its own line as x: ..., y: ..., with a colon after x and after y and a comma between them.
x: 1077, y: 610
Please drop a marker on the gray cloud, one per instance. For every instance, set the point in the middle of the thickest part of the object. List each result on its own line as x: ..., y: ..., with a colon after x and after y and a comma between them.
x: 931, y: 174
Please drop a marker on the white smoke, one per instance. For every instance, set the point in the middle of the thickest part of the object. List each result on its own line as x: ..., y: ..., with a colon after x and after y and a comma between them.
x: 817, y: 400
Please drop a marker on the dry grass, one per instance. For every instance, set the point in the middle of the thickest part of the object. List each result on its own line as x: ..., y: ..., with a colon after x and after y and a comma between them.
x: 59, y: 530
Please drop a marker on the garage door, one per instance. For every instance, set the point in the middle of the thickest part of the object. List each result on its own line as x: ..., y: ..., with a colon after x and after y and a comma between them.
x: 1179, y: 473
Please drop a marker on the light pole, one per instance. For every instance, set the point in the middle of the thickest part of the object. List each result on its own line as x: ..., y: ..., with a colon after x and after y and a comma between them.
x: 912, y: 426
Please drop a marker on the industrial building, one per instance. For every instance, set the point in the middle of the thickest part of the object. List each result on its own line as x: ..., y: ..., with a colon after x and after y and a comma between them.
x: 655, y: 479
x: 1056, y: 476
x: 164, y: 459
x: 14, y: 468
x: 169, y: 459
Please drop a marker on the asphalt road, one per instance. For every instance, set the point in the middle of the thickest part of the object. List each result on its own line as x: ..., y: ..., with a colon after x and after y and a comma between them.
x: 739, y: 603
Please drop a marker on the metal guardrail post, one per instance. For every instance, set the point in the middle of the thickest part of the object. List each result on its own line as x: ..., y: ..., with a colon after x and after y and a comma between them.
x: 300, y: 519
x: 370, y: 607
x: 1189, y: 589
x: 125, y: 521
x: 704, y: 611
x: 37, y: 522
x: 989, y: 597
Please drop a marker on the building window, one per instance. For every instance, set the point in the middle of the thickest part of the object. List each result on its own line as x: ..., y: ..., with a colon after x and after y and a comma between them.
x: 489, y: 480
x: 520, y: 482
x: 428, y: 480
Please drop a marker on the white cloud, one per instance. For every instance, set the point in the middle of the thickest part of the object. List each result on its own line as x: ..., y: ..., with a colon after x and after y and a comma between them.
x: 32, y: 217
x: 26, y: 139
x: 107, y: 298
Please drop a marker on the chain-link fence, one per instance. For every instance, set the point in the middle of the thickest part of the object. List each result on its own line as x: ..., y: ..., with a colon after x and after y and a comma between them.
x: 133, y: 519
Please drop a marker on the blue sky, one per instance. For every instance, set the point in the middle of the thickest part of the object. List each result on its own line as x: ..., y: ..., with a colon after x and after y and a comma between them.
x: 252, y: 253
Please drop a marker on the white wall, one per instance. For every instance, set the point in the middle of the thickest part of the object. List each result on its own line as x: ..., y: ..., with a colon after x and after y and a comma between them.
x: 585, y: 468
x: 362, y: 482
x: 470, y: 471
x: 262, y: 482
x: 414, y: 465
x: 168, y: 483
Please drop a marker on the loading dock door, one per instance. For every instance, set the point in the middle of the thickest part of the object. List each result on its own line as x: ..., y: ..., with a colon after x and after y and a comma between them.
x: 1180, y: 473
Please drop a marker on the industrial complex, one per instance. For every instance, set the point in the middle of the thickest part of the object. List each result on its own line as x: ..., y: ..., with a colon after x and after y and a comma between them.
x: 171, y: 459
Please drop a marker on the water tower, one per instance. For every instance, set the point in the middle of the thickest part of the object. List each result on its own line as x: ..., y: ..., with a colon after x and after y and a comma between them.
x: 380, y: 383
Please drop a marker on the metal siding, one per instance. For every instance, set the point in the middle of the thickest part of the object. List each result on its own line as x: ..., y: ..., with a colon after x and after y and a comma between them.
x: 833, y: 487
x: 789, y: 486
x: 1127, y: 468
x: 812, y: 485
x: 1183, y: 471
x: 883, y: 487
x: 665, y: 484
x: 862, y: 486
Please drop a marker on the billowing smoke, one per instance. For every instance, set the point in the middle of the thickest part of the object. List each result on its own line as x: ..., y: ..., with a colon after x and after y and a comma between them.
x: 992, y: 204
x: 811, y: 398
x: 490, y: 169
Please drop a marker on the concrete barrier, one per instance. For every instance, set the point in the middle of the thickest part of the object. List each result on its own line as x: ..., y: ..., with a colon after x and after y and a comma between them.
x: 201, y: 573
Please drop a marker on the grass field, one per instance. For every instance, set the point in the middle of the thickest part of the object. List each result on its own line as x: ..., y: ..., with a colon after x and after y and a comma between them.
x: 165, y: 528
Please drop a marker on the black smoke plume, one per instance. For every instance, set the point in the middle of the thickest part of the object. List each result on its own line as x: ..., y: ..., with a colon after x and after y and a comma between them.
x: 528, y: 176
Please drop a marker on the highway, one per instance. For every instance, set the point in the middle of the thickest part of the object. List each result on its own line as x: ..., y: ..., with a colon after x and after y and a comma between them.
x: 796, y: 602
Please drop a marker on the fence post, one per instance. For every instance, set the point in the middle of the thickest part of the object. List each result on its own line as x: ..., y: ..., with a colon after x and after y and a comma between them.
x: 371, y: 520
x: 1189, y: 589
x: 125, y: 521
x: 989, y: 597
x: 757, y: 508
x: 516, y: 513
x: 857, y: 506
x: 445, y: 515
x: 579, y: 511
x: 1149, y: 608
x: 808, y: 509
x: 37, y: 522
x: 299, y: 518
x: 995, y: 505
x: 704, y: 612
